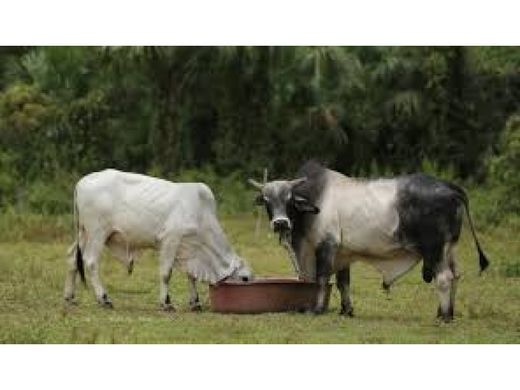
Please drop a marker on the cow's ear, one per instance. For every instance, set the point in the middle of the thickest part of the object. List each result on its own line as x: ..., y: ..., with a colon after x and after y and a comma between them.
x: 260, y: 200
x: 304, y: 206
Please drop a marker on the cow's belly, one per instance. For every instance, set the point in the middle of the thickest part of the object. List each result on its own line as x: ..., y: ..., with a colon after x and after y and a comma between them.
x: 392, y: 266
x: 371, y: 241
x: 135, y: 228
x: 369, y: 244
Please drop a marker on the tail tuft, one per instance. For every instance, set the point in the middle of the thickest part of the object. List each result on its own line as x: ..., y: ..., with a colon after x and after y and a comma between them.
x: 80, y: 265
x: 427, y: 273
x: 482, y: 259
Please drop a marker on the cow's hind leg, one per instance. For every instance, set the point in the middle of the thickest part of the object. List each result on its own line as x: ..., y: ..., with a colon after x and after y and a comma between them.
x: 343, y: 285
x: 168, y: 251
x: 92, y: 255
x: 194, y: 295
x: 325, y: 254
x: 456, y: 276
x: 445, y: 282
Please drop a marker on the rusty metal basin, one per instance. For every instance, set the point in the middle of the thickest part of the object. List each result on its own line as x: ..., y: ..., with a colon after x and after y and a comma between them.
x: 264, y: 295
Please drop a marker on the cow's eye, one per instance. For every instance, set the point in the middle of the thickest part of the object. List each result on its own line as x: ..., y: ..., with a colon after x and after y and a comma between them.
x: 261, y: 200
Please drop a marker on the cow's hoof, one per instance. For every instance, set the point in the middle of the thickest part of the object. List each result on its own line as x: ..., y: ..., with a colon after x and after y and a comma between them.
x: 445, y: 317
x: 106, y: 302
x: 318, y: 310
x: 167, y: 307
x: 346, y: 311
x: 70, y: 301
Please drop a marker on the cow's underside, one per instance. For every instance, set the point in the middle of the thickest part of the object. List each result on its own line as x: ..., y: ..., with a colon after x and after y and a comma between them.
x: 391, y: 267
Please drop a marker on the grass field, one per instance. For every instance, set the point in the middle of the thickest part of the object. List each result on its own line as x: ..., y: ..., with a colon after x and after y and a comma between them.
x: 32, y: 269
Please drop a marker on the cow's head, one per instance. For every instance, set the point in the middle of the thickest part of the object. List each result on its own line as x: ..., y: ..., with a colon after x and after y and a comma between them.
x: 282, y: 203
x: 242, y: 272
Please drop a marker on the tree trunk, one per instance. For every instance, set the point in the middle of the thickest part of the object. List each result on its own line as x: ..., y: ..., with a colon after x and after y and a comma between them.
x: 165, y: 138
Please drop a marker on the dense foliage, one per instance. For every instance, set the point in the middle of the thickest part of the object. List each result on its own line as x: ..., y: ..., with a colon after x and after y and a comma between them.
x: 227, y: 112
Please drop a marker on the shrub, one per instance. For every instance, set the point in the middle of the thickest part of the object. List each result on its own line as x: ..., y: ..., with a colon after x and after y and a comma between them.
x: 231, y: 191
x: 49, y: 198
x: 49, y: 194
x: 504, y: 168
x: 8, y: 182
x: 432, y: 168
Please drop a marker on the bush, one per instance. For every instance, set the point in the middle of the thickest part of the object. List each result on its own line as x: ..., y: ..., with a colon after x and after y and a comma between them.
x: 231, y: 192
x: 432, y: 168
x: 48, y: 195
x: 503, y: 168
x: 50, y: 198
x: 8, y: 182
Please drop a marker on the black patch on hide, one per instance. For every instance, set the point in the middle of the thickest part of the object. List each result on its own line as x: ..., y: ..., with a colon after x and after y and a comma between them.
x: 429, y: 216
x: 312, y: 190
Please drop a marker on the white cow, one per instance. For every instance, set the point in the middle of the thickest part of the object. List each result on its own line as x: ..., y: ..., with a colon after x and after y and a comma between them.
x: 128, y: 212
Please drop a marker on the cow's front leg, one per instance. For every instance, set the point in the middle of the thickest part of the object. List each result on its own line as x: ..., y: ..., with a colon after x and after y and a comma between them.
x: 164, y: 279
x: 323, y: 281
x: 166, y: 260
x: 343, y: 285
x: 325, y: 254
x: 194, y: 295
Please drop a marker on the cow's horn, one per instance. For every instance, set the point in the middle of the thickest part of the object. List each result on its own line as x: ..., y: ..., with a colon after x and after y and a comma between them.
x: 295, y: 182
x: 255, y: 184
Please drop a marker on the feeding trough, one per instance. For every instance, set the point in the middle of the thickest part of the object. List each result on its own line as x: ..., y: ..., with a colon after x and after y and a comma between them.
x: 265, y: 295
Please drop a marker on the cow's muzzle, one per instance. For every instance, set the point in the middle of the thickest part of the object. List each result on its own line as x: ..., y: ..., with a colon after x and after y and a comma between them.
x: 281, y: 225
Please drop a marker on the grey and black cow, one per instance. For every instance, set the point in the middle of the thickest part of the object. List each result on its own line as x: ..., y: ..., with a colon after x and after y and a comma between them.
x: 329, y: 220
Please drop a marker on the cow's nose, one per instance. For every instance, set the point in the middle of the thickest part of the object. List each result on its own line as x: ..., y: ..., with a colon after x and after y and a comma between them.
x: 280, y: 224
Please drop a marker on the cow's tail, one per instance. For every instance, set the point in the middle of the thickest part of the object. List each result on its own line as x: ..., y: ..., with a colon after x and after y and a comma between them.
x: 483, y: 261
x: 79, y: 256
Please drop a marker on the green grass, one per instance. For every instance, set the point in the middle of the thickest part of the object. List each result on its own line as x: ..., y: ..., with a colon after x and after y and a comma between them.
x: 32, y: 270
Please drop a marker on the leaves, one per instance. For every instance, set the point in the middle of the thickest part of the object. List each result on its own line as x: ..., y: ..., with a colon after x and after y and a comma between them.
x: 364, y: 110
